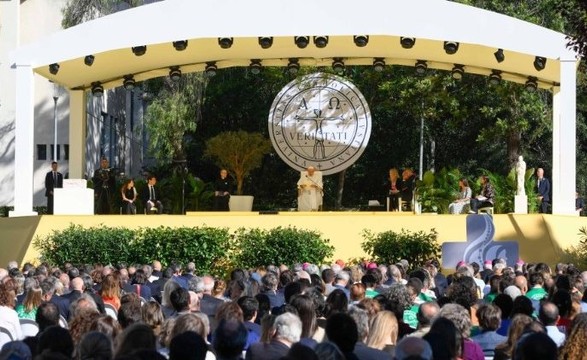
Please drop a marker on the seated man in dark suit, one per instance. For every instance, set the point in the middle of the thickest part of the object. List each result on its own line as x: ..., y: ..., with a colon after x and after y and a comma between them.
x: 150, y: 196
x: 579, y: 204
x: 407, y: 188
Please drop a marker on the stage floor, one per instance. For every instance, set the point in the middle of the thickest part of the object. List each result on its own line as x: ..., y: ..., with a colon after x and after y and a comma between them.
x: 540, y: 237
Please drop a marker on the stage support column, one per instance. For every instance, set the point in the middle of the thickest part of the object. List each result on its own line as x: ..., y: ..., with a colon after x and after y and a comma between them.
x: 564, y: 140
x: 77, y: 134
x: 24, y: 133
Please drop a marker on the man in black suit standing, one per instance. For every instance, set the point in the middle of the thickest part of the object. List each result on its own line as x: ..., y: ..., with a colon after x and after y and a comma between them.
x: 543, y: 190
x: 53, y: 180
x: 103, y: 187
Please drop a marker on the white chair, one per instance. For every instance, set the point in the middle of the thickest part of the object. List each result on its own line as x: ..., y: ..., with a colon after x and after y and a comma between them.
x: 5, y: 336
x: 111, y: 311
x: 29, y: 327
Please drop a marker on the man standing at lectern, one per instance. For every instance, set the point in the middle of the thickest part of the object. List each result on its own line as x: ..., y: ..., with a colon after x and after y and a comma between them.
x: 310, y: 190
x: 53, y: 180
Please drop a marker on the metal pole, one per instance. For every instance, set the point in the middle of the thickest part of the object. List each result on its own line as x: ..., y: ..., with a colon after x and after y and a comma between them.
x: 55, y: 98
x: 420, y: 171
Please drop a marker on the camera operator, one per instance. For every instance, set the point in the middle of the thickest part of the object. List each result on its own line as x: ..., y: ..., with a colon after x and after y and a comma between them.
x: 103, y: 186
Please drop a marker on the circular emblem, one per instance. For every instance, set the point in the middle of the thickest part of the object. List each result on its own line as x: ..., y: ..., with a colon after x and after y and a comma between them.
x: 321, y: 120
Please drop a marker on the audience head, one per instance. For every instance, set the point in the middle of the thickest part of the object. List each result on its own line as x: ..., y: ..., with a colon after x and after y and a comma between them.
x: 136, y: 336
x: 341, y: 329
x: 574, y: 346
x: 489, y: 316
x: 47, y: 315
x: 548, y: 313
x: 180, y: 299
x: 230, y: 339
x: 327, y: 350
x: 95, y: 346
x: 426, y: 314
x: 55, y: 339
x: 536, y: 345
x: 459, y: 316
x: 445, y: 339
x: 411, y: 347
x: 288, y: 327
x: 188, y: 346
x: 384, y: 330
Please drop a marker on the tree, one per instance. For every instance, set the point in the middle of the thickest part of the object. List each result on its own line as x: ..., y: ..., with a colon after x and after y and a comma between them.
x: 575, y: 14
x: 79, y: 11
x: 239, y: 152
x: 173, y: 113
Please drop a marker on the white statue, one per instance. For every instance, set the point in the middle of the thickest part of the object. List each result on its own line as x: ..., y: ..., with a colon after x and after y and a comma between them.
x: 520, y: 175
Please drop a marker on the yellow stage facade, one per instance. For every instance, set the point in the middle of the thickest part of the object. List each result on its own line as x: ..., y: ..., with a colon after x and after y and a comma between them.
x: 540, y: 237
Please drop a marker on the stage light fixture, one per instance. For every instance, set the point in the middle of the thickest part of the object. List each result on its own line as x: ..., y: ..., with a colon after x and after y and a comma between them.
x: 265, y: 41
x: 302, y: 41
x: 180, y: 45
x: 255, y: 66
x: 174, y: 73
x: 531, y: 84
x: 361, y: 40
x: 89, y: 60
x: 320, y: 41
x: 421, y: 67
x: 54, y: 69
x: 338, y: 65
x: 293, y: 66
x: 225, y: 43
x: 458, y: 71
x: 378, y: 64
x: 451, y: 47
x: 495, y: 77
x: 499, y: 56
x: 128, y: 82
x: 139, y: 50
x: 211, y: 69
x: 407, y: 42
x: 539, y: 63
x: 97, y: 89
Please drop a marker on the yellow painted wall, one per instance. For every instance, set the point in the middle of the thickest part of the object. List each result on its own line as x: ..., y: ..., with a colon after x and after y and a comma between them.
x: 541, y: 237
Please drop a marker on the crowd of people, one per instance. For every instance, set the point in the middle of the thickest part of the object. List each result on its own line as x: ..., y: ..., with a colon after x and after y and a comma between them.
x: 364, y: 311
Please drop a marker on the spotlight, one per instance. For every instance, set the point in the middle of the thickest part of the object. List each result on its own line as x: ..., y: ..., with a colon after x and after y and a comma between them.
x: 255, y: 66
x: 180, y: 45
x: 89, y: 60
x: 499, y: 56
x: 302, y: 41
x: 139, y: 50
x: 361, y: 40
x: 458, y: 71
x: 128, y: 82
x: 338, y: 65
x: 97, y: 89
x: 265, y: 42
x: 225, y: 43
x: 54, y: 69
x: 407, y: 42
x: 531, y: 84
x: 293, y: 66
x: 320, y: 41
x: 211, y: 69
x: 451, y: 47
x: 174, y: 73
x: 495, y: 77
x: 539, y: 63
x: 421, y: 67
x: 378, y: 64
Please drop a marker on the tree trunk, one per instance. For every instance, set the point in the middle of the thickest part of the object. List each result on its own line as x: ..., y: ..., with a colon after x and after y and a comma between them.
x: 513, y: 147
x: 340, y: 190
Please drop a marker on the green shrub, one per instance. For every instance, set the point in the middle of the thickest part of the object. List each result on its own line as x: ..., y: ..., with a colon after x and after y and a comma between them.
x: 390, y: 247
x: 577, y: 254
x: 256, y: 247
x: 205, y: 246
x: 106, y: 245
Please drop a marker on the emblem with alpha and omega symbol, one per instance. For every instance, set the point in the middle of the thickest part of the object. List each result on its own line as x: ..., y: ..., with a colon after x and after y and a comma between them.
x: 321, y: 120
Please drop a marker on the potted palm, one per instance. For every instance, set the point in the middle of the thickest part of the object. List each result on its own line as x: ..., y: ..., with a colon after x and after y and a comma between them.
x: 239, y: 152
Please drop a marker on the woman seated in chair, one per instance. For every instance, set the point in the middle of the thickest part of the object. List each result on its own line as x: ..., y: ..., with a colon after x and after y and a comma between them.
x: 486, y: 198
x: 461, y: 204
x: 129, y: 196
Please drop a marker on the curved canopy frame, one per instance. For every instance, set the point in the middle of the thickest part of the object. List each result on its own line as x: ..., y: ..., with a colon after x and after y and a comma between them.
x: 529, y: 52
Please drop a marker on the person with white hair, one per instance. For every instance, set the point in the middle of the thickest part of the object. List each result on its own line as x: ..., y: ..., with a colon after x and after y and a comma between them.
x: 341, y: 281
x: 288, y: 329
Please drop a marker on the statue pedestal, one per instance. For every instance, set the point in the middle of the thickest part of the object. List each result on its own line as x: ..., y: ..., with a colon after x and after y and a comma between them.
x: 521, y: 204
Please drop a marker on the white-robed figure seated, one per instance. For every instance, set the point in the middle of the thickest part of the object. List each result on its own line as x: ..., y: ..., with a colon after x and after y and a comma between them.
x: 310, y: 190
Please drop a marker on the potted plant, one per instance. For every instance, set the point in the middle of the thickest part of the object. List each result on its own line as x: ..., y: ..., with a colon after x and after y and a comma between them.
x: 239, y: 152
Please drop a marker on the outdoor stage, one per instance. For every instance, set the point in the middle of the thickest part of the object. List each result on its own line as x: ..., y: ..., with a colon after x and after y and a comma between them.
x: 540, y: 237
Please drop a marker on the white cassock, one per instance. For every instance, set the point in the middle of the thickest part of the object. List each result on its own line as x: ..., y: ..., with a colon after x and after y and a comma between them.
x: 310, y: 191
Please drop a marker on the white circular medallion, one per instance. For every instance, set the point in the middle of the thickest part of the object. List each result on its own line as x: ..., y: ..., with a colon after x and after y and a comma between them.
x: 321, y: 120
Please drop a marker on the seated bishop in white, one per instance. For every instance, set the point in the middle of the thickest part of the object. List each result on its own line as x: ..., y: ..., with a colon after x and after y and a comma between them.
x: 310, y: 190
